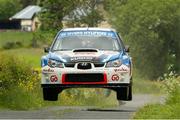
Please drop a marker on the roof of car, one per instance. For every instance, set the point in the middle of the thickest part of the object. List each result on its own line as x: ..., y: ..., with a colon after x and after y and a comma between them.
x: 88, y: 28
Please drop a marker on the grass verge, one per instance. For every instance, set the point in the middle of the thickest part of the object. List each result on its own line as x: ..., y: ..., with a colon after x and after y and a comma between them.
x: 32, y: 56
x: 142, y: 86
x: 16, y: 36
x: 170, y: 109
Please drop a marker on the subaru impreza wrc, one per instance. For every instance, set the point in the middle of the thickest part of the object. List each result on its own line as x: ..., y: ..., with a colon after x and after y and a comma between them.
x: 86, y: 57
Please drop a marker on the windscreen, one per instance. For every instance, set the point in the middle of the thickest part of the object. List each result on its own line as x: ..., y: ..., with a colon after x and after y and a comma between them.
x: 86, y: 39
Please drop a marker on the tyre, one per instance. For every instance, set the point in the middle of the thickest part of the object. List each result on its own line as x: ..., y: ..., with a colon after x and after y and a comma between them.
x: 50, y: 94
x: 124, y: 93
x: 130, y: 93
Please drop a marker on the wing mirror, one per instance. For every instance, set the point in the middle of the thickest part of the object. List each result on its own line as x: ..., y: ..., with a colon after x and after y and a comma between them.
x: 127, y: 48
x: 46, y: 49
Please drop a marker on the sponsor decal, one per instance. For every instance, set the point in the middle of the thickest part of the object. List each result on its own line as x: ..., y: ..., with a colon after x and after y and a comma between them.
x: 48, y: 70
x: 120, y: 69
x: 81, y: 58
x: 54, y: 78
x: 87, y: 33
x: 115, y: 77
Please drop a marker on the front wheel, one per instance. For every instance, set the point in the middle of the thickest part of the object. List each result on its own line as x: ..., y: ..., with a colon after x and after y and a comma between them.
x: 124, y: 93
x: 50, y: 94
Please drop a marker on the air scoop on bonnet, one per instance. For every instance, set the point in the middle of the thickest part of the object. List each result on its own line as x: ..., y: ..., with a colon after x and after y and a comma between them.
x: 85, y: 50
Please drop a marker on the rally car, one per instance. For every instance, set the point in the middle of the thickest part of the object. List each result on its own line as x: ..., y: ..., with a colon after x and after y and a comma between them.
x: 87, y: 57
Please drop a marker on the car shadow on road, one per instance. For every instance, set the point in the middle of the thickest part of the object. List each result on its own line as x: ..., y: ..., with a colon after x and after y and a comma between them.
x: 109, y: 110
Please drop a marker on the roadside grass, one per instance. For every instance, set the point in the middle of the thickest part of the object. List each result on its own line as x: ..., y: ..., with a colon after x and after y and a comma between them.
x: 142, y: 86
x: 170, y: 109
x: 16, y: 36
x: 19, y: 98
x: 158, y: 111
x: 31, y: 55
x: 18, y: 85
x: 84, y: 97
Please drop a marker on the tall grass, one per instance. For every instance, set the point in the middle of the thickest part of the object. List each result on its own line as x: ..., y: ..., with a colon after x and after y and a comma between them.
x: 171, y: 108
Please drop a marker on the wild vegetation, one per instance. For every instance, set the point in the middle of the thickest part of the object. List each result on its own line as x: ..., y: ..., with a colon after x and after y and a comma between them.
x: 78, y: 12
x: 17, y: 82
x: 170, y: 109
x: 8, y: 8
x: 151, y: 28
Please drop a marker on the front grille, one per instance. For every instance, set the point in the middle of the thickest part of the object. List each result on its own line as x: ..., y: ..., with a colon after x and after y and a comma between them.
x: 69, y: 64
x: 84, y: 65
x: 98, y: 64
x: 93, y: 77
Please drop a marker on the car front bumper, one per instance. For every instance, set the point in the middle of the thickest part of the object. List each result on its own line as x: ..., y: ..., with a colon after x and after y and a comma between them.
x: 111, y: 76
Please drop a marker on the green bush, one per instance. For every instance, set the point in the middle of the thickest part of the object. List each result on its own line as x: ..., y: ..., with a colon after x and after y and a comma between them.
x: 172, y: 88
x: 18, y: 84
x: 13, y: 71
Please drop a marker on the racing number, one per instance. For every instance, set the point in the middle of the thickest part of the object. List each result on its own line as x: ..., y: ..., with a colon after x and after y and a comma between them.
x: 115, y: 77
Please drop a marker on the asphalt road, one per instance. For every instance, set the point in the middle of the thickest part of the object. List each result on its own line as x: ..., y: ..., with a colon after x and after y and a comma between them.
x: 124, y: 111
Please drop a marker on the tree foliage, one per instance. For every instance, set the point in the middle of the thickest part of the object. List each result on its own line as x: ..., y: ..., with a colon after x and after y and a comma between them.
x: 54, y: 11
x: 9, y: 8
x: 151, y: 28
x: 28, y: 2
x: 93, y: 17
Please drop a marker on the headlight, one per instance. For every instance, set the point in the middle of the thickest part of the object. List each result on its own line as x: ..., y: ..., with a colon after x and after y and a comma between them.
x: 114, y: 63
x: 54, y: 63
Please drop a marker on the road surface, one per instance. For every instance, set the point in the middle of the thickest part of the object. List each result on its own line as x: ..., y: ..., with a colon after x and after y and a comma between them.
x: 124, y: 111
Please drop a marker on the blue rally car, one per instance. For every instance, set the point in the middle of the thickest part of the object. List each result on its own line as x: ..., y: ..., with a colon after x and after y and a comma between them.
x: 87, y: 57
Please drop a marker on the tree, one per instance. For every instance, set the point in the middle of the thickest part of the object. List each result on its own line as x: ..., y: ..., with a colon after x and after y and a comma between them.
x: 8, y: 8
x: 28, y: 2
x: 93, y: 17
x: 152, y: 28
x: 54, y: 11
